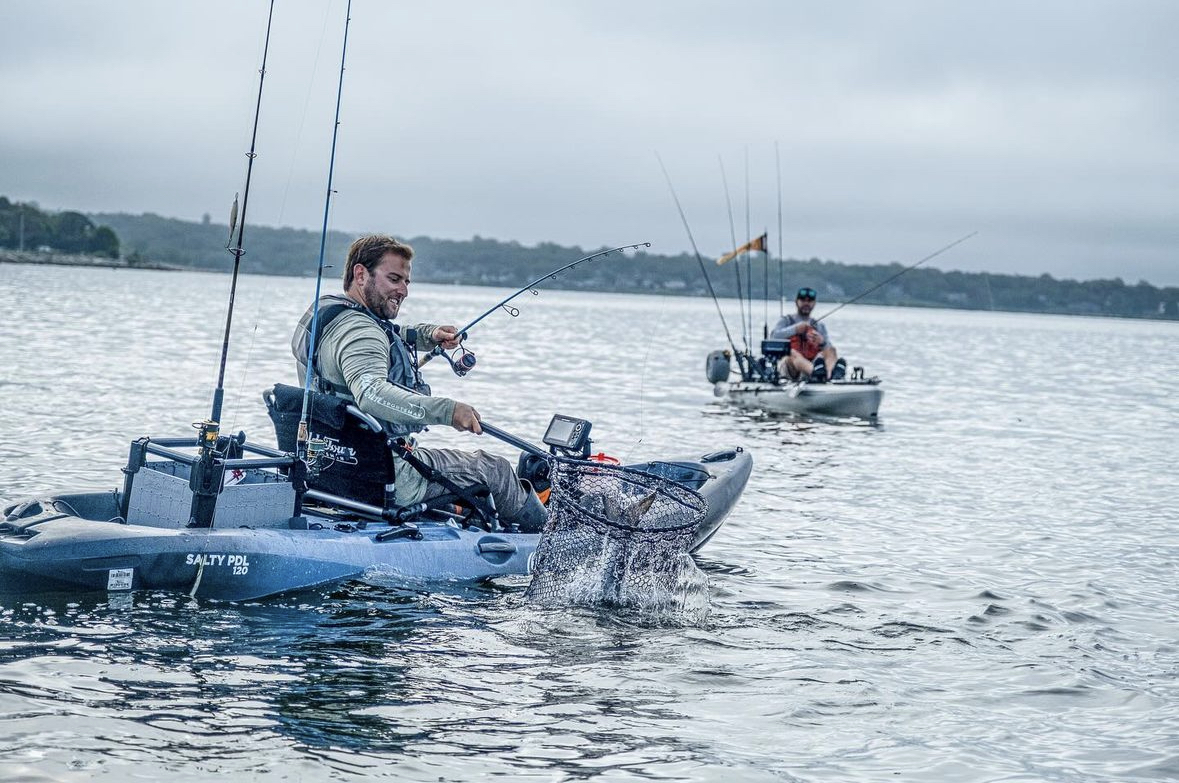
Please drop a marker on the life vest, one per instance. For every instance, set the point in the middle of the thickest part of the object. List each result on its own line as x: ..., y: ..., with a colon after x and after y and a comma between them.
x: 403, y: 370
x: 799, y: 343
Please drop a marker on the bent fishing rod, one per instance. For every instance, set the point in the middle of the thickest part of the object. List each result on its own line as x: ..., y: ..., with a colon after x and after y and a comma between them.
x: 934, y: 254
x: 467, y: 361
x: 303, y: 437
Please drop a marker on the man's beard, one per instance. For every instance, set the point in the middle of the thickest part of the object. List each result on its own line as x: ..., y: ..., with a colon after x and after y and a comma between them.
x: 373, y: 301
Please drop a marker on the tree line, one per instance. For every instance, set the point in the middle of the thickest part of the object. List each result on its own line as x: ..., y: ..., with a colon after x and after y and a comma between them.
x: 28, y: 227
x: 481, y: 261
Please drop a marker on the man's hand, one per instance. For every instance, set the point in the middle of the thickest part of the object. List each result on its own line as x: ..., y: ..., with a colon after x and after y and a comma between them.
x: 813, y: 338
x: 446, y: 336
x: 466, y: 419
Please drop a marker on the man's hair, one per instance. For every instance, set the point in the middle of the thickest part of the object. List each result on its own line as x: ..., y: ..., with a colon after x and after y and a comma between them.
x: 368, y: 252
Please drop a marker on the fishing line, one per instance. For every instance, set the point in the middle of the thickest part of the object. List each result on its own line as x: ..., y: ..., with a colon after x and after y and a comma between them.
x: 282, y: 209
x: 736, y: 267
x: 646, y: 357
x: 934, y: 254
x: 262, y: 301
x: 699, y: 259
x: 502, y: 304
x: 306, y: 106
x: 304, y: 418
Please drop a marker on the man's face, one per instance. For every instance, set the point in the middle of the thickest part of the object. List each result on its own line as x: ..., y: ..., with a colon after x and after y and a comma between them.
x: 804, y: 306
x: 385, y: 288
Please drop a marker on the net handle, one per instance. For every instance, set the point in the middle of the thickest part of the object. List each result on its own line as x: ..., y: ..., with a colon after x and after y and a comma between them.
x: 513, y: 440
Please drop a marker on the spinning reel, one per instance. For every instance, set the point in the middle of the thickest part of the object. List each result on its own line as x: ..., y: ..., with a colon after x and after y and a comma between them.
x: 463, y: 364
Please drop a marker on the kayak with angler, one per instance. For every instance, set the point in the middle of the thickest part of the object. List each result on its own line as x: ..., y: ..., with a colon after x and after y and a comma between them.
x: 762, y: 387
x: 272, y: 534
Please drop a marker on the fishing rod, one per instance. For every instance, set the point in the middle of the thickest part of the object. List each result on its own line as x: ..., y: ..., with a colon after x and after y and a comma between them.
x: 765, y: 262
x: 236, y: 249
x: 699, y: 260
x: 467, y: 361
x: 934, y: 254
x: 302, y: 439
x: 781, y: 290
x: 207, y: 472
x: 749, y: 272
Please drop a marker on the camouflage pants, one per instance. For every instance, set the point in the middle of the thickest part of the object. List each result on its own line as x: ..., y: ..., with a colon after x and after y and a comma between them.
x: 470, y: 468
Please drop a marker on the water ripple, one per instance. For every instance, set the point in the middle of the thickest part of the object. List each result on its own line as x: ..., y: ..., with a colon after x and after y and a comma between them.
x: 978, y: 588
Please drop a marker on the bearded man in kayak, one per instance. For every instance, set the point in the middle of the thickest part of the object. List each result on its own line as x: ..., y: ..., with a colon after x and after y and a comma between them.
x: 811, y: 351
x: 362, y: 354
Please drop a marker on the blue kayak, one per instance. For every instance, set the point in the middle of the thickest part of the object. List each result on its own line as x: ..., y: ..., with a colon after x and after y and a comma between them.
x: 139, y: 538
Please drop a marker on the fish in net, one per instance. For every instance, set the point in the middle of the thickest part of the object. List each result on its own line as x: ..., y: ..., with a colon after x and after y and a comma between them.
x: 618, y: 537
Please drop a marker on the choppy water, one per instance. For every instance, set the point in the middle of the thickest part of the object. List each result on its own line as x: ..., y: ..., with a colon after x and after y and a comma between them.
x: 981, y: 588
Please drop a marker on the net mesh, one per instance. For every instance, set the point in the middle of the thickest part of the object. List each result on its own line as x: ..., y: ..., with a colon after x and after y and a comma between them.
x: 617, y: 537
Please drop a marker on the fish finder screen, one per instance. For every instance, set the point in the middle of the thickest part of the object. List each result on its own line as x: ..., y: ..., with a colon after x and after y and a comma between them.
x: 559, y: 431
x: 565, y: 432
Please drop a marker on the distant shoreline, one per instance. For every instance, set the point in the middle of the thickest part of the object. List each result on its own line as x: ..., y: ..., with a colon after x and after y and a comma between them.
x: 66, y: 259
x: 450, y: 277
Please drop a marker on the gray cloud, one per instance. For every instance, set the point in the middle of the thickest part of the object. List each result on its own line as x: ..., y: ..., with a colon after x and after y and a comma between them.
x: 1050, y: 127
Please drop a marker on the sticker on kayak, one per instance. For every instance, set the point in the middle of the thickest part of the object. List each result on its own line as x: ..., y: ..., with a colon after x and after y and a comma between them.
x: 120, y: 578
x: 239, y: 563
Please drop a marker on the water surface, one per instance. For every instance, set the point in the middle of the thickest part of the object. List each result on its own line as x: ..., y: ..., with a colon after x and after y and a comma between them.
x: 979, y: 588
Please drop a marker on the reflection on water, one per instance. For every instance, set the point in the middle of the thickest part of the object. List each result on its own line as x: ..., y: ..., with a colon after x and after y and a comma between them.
x: 980, y: 587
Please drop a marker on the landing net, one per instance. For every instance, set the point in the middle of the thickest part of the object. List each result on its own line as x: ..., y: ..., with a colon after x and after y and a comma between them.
x: 617, y: 537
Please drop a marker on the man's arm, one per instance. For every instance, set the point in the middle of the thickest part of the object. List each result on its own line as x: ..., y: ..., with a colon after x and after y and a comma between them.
x: 355, y: 353
x: 821, y: 328
x: 430, y: 335
x: 786, y: 328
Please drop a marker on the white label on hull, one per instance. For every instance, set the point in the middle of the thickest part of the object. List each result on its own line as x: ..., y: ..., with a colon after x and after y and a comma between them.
x: 120, y: 578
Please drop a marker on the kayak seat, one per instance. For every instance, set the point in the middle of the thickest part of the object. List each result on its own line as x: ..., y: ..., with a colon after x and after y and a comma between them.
x: 358, y: 463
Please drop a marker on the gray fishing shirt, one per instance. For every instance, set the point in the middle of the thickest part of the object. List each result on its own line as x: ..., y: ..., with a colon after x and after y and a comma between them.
x: 354, y: 354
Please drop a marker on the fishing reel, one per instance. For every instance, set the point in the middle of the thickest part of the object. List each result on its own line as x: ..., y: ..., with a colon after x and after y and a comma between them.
x: 318, y: 456
x: 314, y: 450
x: 463, y: 364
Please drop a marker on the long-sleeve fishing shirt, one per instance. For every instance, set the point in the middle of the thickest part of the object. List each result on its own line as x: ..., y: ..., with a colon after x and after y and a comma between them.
x: 354, y: 354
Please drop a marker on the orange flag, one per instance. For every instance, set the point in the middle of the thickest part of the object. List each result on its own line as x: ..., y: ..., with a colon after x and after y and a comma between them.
x: 753, y: 244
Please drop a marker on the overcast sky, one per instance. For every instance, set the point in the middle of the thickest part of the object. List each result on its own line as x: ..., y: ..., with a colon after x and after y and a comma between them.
x: 1051, y: 128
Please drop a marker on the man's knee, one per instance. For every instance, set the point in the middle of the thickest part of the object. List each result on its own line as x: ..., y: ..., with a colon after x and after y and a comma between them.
x: 532, y: 514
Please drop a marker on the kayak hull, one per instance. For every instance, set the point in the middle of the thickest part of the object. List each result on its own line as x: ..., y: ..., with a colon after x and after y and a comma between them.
x: 857, y: 399
x: 78, y: 543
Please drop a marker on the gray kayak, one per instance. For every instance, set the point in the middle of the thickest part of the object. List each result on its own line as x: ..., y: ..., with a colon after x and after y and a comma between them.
x: 852, y: 398
x: 138, y: 538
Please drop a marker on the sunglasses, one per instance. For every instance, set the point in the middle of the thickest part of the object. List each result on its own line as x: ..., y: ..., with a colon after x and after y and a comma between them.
x: 807, y: 293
